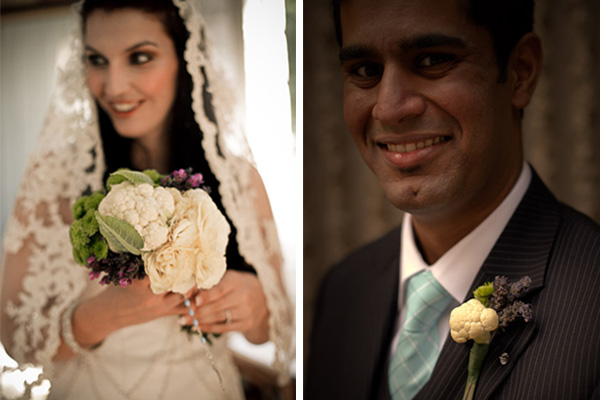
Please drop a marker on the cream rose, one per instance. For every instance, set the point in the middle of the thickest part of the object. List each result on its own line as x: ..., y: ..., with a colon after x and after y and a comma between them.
x: 194, y: 254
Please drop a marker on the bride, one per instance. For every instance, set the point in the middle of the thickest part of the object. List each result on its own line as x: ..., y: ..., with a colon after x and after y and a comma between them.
x: 139, y: 92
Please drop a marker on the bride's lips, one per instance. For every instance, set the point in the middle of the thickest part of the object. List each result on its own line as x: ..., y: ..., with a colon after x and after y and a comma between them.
x: 411, y: 152
x: 124, y: 109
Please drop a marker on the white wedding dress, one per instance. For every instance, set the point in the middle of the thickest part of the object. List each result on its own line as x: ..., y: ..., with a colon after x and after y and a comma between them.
x: 41, y: 281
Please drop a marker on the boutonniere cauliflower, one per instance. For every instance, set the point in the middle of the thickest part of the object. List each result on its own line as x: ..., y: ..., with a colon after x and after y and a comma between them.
x: 472, y: 320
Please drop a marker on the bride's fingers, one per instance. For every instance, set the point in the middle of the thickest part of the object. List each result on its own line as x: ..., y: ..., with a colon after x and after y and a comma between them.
x: 174, y: 303
x: 215, y: 294
x: 220, y: 314
x: 191, y: 293
x: 223, y: 328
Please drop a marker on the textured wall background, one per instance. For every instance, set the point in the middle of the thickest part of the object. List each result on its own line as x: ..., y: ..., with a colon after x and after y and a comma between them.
x: 344, y: 206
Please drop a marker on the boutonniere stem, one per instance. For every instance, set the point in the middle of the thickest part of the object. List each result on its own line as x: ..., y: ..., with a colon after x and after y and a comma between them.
x: 476, y: 357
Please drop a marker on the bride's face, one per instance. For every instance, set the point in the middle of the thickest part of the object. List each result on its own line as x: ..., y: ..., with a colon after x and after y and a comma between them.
x: 131, y: 70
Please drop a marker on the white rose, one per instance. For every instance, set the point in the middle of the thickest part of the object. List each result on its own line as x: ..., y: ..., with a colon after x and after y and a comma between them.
x: 194, y: 254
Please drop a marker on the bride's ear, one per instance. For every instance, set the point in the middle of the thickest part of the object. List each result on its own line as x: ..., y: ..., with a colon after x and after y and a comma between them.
x: 524, y: 69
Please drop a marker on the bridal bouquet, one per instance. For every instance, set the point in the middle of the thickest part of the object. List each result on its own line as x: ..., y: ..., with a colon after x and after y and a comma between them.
x: 164, y: 227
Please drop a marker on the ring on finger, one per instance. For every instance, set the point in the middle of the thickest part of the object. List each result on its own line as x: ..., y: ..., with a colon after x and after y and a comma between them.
x: 227, y: 317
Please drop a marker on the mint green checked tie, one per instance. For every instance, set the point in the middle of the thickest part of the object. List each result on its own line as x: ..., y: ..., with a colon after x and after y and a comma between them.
x: 418, y: 344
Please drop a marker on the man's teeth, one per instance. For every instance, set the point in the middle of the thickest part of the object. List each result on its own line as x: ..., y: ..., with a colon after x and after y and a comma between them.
x: 124, y: 107
x: 408, y: 147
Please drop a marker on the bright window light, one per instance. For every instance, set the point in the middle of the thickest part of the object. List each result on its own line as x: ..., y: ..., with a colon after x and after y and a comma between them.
x: 268, y: 117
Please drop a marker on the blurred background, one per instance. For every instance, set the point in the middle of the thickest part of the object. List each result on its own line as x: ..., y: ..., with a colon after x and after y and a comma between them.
x: 253, y: 43
x: 344, y: 206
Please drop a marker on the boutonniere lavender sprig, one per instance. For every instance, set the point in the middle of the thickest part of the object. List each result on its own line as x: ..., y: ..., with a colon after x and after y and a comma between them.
x: 495, y: 306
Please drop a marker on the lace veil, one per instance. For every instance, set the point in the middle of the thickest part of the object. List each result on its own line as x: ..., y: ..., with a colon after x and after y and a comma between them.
x: 40, y: 278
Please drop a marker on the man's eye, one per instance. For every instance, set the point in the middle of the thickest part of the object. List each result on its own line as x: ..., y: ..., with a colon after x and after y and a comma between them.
x: 139, y: 58
x: 434, y: 60
x: 368, y: 70
x: 96, y: 60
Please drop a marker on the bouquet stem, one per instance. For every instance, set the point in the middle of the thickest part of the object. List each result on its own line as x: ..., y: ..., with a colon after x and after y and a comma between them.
x: 476, y: 357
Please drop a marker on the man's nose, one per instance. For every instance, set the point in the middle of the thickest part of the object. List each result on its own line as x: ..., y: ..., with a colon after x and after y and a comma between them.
x: 398, y: 97
x: 116, y: 81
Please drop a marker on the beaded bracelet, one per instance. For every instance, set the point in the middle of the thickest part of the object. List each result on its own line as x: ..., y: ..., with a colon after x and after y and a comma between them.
x: 67, y: 330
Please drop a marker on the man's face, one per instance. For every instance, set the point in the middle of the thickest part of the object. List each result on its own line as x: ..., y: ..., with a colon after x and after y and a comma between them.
x: 424, y: 105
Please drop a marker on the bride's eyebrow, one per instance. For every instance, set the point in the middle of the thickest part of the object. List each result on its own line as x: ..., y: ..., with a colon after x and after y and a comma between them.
x: 129, y: 49
x: 141, y: 44
x: 90, y: 48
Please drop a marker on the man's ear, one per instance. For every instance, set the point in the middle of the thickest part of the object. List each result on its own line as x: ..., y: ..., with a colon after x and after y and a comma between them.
x: 525, y: 66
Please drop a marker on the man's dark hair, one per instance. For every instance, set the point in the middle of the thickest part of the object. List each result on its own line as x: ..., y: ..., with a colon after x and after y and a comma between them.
x: 506, y: 20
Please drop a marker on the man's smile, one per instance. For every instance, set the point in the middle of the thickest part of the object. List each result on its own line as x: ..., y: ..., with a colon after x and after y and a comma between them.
x: 415, y: 145
x: 409, y: 151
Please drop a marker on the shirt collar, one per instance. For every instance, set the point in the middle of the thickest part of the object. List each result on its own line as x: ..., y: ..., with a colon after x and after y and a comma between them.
x: 457, y: 268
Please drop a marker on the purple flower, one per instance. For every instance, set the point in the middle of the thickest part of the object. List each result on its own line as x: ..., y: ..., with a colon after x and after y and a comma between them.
x: 195, y: 180
x: 185, y: 179
x: 118, y: 269
x: 179, y: 175
x: 505, y: 293
x: 526, y: 311
x: 125, y: 282
x: 512, y: 312
x: 521, y: 286
x: 501, y: 285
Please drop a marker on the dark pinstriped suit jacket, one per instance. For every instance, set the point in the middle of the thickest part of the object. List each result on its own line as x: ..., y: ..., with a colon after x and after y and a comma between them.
x: 554, y: 357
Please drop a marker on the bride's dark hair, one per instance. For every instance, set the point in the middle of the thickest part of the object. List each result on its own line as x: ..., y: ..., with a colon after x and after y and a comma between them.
x: 184, y: 133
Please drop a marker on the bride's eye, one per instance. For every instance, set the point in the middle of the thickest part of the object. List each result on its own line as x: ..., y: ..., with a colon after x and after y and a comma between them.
x: 139, y: 58
x: 95, y: 60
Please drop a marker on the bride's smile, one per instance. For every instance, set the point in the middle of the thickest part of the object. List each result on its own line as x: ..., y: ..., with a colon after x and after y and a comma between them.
x: 124, y: 109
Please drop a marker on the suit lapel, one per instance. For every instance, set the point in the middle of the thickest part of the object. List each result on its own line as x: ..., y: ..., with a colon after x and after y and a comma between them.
x: 385, y: 313
x: 522, y: 249
x: 377, y: 312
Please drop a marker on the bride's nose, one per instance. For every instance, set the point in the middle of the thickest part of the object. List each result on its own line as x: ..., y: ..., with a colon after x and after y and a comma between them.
x: 116, y: 81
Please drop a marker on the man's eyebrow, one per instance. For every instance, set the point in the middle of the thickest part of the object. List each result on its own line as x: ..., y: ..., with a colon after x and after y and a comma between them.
x: 354, y: 52
x: 417, y: 42
x: 127, y: 50
x: 432, y: 40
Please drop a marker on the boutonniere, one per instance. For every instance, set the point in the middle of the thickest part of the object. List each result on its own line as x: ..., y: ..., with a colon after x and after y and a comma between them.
x: 495, y: 306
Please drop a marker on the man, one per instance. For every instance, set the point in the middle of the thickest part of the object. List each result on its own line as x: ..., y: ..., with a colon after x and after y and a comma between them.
x: 434, y: 92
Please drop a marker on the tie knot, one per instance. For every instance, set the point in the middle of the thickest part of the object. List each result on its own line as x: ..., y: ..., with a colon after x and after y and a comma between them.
x: 426, y: 300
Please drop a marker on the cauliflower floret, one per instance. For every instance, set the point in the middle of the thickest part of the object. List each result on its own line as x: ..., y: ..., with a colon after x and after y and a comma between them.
x: 146, y: 208
x: 165, y: 198
x: 472, y: 320
x: 155, y: 235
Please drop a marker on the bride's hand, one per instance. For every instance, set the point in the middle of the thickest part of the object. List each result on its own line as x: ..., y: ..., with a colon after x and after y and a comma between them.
x: 240, y: 297
x: 138, y: 304
x: 118, y: 307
